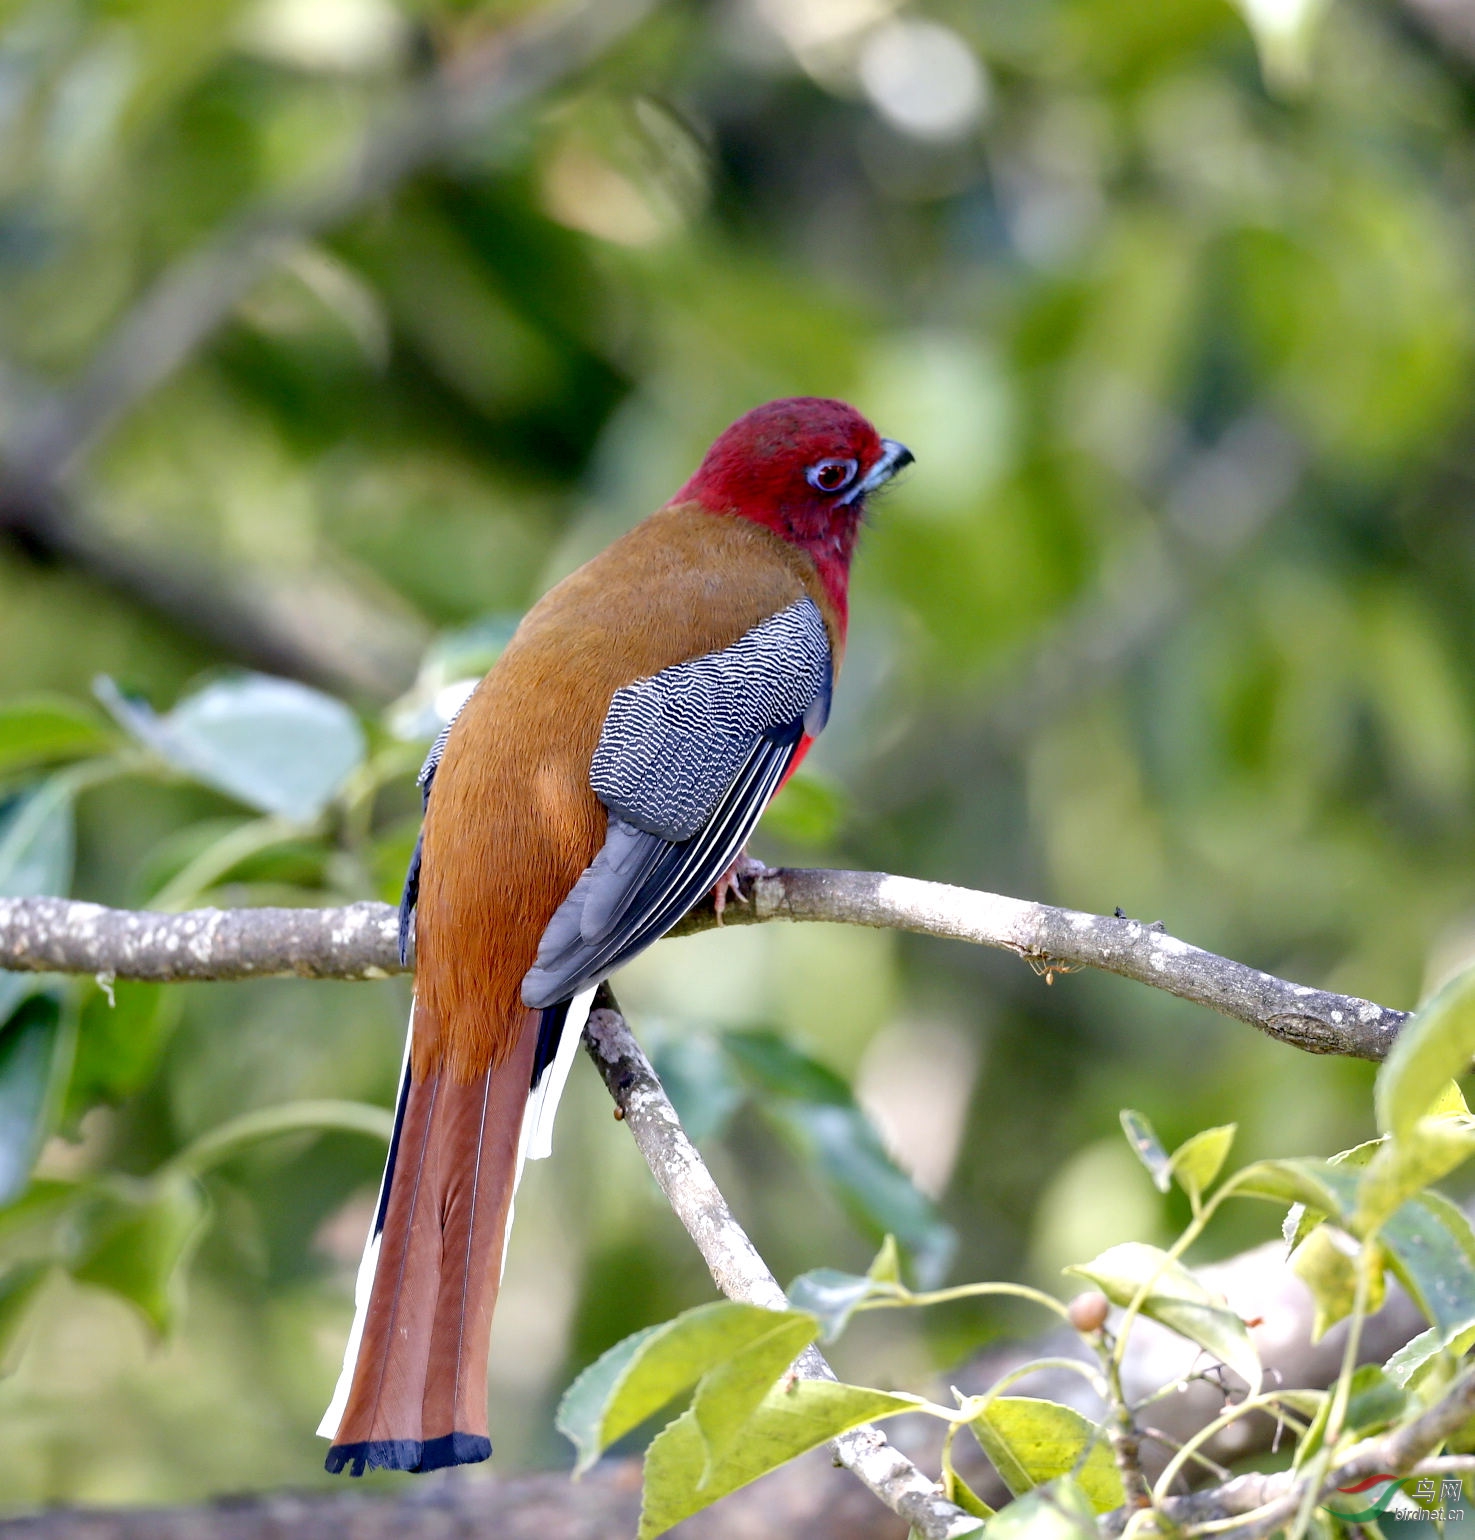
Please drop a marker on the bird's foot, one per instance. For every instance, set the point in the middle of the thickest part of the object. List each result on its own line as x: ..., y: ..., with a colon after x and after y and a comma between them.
x: 729, y: 884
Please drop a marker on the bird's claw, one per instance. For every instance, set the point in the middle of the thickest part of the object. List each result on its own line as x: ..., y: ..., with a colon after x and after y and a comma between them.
x: 729, y: 884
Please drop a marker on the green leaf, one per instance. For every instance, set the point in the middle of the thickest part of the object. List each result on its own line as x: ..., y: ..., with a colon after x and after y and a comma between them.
x: 1431, y: 1248
x: 831, y: 1296
x: 36, y: 846
x: 36, y: 841
x: 815, y: 1111
x: 19, y: 1287
x: 1433, y: 1047
x: 1060, y: 1511
x: 886, y: 1265
x: 31, y: 1225
x: 728, y: 1395
x: 306, y: 1116
x: 140, y: 1242
x: 35, y: 1059
x: 700, y: 1080
x: 47, y: 729
x: 273, y: 744
x: 1319, y: 1184
x: 969, y: 1500
x: 1030, y: 1442
x: 1147, y: 1147
x: 1177, y: 1299
x: 1413, y: 1355
x: 790, y: 1420
x: 119, y: 1042
x: 776, y: 1067
x: 1407, y: 1163
x: 834, y: 1296
x: 1300, y: 1219
x: 1197, y: 1161
x: 1324, y: 1264
x: 1404, y: 1367
x: 638, y: 1376
x: 1375, y: 1401
x: 271, y: 851
x: 581, y: 1408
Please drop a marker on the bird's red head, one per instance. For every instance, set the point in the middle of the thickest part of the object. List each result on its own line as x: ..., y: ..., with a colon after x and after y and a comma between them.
x: 803, y: 468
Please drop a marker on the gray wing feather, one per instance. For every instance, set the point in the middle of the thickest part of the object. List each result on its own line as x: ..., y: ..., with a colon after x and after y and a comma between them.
x: 426, y: 777
x: 687, y: 761
x: 672, y: 876
x: 673, y: 743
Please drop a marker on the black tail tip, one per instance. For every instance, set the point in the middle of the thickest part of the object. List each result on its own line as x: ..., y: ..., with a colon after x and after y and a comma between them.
x: 408, y: 1454
x: 454, y: 1449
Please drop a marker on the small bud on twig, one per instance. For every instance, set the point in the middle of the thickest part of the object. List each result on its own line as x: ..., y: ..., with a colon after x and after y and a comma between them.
x: 1087, y: 1312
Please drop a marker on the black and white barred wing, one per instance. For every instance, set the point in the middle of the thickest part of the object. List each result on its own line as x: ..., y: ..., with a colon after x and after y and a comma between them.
x: 687, y: 761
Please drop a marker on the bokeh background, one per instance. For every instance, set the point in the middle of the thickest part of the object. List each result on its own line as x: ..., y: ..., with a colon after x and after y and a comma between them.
x: 1176, y: 611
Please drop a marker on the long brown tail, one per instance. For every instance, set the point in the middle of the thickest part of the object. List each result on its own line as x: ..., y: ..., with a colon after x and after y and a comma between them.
x: 413, y: 1391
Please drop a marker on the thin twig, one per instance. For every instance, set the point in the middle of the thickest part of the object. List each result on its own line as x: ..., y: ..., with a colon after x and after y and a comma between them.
x: 356, y: 942
x: 1122, y: 1432
x: 735, y: 1265
x: 1270, y: 1502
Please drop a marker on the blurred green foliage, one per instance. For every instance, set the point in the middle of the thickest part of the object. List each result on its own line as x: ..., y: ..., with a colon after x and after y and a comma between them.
x: 1176, y: 612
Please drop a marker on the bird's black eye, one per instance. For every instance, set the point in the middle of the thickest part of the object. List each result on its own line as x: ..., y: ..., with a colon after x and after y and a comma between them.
x: 831, y: 475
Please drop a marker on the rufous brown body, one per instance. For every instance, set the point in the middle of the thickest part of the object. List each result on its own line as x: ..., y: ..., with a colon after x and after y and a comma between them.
x: 512, y: 823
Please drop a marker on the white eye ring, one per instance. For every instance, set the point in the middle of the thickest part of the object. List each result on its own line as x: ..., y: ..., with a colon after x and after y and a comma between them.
x: 821, y: 476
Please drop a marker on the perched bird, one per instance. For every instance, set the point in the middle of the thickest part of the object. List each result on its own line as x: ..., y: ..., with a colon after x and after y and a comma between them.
x: 602, y: 778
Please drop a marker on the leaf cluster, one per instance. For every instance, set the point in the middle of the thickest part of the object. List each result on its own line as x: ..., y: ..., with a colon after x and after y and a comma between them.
x: 1353, y: 1221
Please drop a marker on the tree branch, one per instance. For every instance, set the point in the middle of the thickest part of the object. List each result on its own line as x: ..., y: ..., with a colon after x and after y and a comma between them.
x: 54, y: 935
x: 1269, y: 1502
x: 735, y: 1265
x: 312, y: 622
x: 58, y: 935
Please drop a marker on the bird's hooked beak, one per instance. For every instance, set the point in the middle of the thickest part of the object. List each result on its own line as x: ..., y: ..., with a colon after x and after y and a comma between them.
x: 894, y: 457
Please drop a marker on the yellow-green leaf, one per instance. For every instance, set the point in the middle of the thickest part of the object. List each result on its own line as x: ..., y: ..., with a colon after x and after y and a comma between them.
x: 1406, y: 1367
x: 640, y: 1375
x: 1173, y: 1296
x: 1450, y: 1103
x: 1030, y: 1442
x: 790, y: 1420
x: 887, y: 1265
x: 1433, y: 1047
x: 1197, y: 1161
x: 1060, y: 1511
x: 728, y: 1395
x: 1408, y: 1162
x: 1326, y: 1262
x: 969, y: 1500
